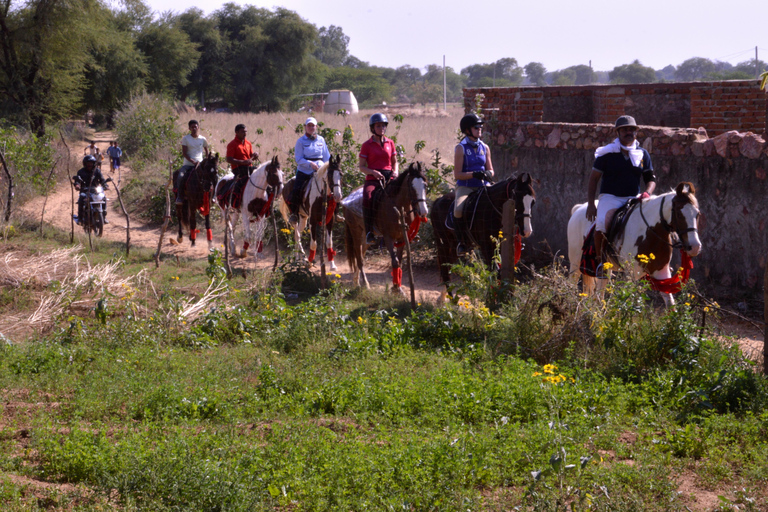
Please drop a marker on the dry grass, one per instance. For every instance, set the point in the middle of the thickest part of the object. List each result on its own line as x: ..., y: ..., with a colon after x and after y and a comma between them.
x: 437, y: 128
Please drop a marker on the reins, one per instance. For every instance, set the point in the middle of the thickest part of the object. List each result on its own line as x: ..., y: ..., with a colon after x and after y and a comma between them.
x: 666, y: 225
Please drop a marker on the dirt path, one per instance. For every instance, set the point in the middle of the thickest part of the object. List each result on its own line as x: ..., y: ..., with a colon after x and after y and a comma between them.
x: 58, y: 212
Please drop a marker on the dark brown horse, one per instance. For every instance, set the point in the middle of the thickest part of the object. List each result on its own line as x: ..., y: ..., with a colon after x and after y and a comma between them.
x: 328, y: 179
x: 406, y: 192
x: 198, y: 194
x: 482, y: 211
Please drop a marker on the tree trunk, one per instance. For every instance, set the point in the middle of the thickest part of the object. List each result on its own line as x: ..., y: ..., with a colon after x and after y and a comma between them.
x: 10, y: 188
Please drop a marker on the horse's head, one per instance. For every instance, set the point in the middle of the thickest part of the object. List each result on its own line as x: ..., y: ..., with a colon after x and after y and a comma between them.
x: 685, y: 217
x: 334, y: 177
x: 525, y: 198
x: 210, y: 170
x: 274, y: 175
x: 417, y: 188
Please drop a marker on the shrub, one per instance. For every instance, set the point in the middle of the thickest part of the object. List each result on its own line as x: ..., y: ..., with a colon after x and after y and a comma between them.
x: 145, y: 126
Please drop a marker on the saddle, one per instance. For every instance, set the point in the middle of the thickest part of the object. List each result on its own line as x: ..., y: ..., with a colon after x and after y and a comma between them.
x: 589, y: 257
x: 232, y: 189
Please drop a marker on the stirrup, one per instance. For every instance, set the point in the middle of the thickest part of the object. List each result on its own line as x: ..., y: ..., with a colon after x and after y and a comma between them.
x: 370, y: 238
x: 461, y: 250
x: 337, y: 217
x: 293, y: 219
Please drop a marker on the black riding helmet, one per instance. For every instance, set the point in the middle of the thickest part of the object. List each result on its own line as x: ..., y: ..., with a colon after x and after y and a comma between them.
x: 378, y: 117
x: 468, y: 121
x: 89, y: 158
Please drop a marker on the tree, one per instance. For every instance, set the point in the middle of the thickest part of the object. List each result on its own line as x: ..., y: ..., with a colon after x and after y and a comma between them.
x: 535, y: 72
x: 43, y: 53
x: 574, y: 75
x: 205, y: 79
x: 169, y: 53
x: 748, y: 67
x: 504, y: 73
x: 367, y: 85
x: 695, y: 68
x: 332, y: 48
x: 634, y: 73
x: 666, y: 73
x: 454, y: 82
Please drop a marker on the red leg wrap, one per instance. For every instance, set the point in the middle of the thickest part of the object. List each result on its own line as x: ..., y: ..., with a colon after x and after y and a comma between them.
x: 261, y: 246
x: 331, y: 254
x: 311, y: 255
x: 246, y: 245
x: 397, y: 277
x: 209, y: 234
x: 193, y: 234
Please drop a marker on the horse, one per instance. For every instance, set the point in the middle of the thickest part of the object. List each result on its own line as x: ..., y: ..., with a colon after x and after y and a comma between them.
x: 198, y: 187
x: 483, y: 211
x: 263, y: 186
x: 407, y: 192
x: 654, y: 227
x: 327, y: 178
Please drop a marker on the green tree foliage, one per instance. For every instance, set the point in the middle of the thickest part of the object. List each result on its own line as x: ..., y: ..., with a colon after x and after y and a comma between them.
x: 332, y: 46
x: 506, y: 72
x: 634, y: 73
x: 535, y: 71
x: 367, y: 84
x: 695, y: 68
x: 170, y: 55
x: 205, y: 80
x: 667, y: 73
x: 146, y: 125
x: 574, y: 75
x: 749, y: 67
x: 454, y: 82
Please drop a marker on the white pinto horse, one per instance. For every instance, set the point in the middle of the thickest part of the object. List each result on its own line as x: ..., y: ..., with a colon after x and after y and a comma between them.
x: 654, y: 228
x: 263, y: 187
x: 326, y: 180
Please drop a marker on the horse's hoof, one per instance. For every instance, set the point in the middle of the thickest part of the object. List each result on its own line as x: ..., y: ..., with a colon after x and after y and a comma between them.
x: 180, y: 239
x: 333, y: 266
x: 243, y: 254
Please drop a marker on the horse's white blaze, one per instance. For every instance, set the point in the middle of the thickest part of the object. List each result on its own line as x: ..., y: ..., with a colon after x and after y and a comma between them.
x: 421, y: 194
x: 691, y: 214
x: 527, y: 205
x: 336, y: 179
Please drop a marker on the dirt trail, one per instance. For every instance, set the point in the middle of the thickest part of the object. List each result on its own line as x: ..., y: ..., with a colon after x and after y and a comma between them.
x: 58, y: 212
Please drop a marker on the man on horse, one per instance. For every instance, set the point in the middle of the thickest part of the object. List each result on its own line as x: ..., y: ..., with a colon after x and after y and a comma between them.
x: 241, y: 158
x: 473, y: 169
x: 88, y: 176
x: 378, y: 161
x: 620, y: 164
x: 311, y: 153
x: 192, y: 147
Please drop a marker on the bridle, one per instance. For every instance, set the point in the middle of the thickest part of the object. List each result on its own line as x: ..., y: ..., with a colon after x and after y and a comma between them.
x: 520, y: 214
x: 668, y: 227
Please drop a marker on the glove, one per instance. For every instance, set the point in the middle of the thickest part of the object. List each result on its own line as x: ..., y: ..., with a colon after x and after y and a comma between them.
x: 478, y: 175
x: 488, y: 176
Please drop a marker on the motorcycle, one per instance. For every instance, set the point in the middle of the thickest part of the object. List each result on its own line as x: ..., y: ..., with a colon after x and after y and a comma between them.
x: 95, y: 208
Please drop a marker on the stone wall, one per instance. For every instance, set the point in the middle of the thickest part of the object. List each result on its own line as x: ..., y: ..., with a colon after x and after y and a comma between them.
x: 716, y: 106
x: 728, y: 171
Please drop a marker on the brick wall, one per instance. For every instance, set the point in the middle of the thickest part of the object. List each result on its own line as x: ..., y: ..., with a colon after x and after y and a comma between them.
x: 716, y: 106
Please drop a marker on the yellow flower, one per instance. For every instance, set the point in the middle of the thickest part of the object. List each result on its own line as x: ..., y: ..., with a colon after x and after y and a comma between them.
x: 706, y: 309
x: 652, y: 256
x: 607, y: 265
x: 550, y: 368
x: 337, y: 276
x: 360, y: 320
x: 583, y: 295
x: 536, y: 374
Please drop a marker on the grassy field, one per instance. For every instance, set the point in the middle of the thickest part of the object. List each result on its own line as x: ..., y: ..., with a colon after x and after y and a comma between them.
x: 151, y: 390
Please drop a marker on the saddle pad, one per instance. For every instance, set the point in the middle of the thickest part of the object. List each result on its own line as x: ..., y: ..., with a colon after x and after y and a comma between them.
x: 588, y: 263
x: 354, y: 202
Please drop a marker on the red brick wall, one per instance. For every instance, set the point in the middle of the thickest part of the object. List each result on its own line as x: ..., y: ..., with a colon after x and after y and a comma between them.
x: 717, y: 106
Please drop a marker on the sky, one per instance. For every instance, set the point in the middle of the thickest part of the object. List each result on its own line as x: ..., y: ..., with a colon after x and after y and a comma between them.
x: 556, y: 33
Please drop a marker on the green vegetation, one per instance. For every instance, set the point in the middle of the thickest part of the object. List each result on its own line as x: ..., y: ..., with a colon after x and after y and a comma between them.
x: 349, y: 400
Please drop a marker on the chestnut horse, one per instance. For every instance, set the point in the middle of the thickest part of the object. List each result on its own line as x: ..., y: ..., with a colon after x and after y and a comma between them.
x: 198, y: 194
x: 407, y: 192
x: 263, y: 186
x: 328, y: 179
x: 655, y: 227
x: 483, y: 211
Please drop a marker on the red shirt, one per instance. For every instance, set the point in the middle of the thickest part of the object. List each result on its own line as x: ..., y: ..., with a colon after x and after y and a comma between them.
x: 239, y: 150
x: 378, y: 156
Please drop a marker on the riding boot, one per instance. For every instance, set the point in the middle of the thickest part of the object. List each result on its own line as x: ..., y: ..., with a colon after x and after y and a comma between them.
x: 600, y: 246
x: 460, y: 230
x: 368, y: 218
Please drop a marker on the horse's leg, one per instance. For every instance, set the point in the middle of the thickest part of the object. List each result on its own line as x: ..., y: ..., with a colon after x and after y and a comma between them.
x: 208, y: 232
x: 231, y: 239
x: 192, y: 223
x: 245, y: 219
x: 397, y: 271
x: 665, y: 273
x: 179, y: 217
x: 329, y: 245
x: 314, y: 234
x: 297, y: 236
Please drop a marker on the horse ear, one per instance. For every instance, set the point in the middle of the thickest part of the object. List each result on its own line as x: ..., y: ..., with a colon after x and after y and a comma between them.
x: 684, y: 188
x: 525, y: 178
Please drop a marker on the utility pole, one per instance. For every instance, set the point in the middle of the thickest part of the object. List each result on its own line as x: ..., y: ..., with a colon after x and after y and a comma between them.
x: 445, y: 91
x: 757, y: 68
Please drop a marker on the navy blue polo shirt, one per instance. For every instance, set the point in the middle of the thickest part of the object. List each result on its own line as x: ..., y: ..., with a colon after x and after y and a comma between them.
x: 620, y: 177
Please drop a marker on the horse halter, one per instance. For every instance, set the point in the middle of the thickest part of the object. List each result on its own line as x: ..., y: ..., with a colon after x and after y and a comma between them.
x: 668, y: 227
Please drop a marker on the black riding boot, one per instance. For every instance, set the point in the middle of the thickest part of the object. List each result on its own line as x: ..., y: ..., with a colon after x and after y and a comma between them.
x: 460, y: 230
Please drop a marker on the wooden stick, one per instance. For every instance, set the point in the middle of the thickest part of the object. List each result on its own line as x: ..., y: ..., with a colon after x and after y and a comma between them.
x: 227, y: 234
x: 71, y: 187
x: 127, y: 219
x: 277, y: 245
x: 10, y: 188
x: 167, y: 217
x: 765, y: 320
x: 323, y: 277
x: 507, y: 247
x: 408, y: 253
x: 45, y: 201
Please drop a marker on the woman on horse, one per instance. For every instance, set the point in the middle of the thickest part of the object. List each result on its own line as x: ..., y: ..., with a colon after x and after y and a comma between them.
x: 311, y: 153
x: 378, y: 161
x: 473, y: 169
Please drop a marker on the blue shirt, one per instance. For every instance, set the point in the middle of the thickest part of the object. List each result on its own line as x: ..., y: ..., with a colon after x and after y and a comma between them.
x: 310, y: 150
x: 474, y: 160
x: 114, y: 151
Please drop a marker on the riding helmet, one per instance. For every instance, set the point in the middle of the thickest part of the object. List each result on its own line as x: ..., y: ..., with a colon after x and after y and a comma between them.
x: 468, y: 121
x: 89, y: 158
x: 378, y: 117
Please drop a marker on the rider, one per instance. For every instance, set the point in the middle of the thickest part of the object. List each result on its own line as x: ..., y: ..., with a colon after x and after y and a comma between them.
x: 192, y: 147
x: 473, y: 169
x: 378, y: 161
x: 311, y: 152
x: 88, y: 176
x: 620, y: 164
x: 241, y: 158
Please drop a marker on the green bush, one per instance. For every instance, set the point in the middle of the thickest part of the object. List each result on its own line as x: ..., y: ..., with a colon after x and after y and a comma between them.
x: 145, y: 126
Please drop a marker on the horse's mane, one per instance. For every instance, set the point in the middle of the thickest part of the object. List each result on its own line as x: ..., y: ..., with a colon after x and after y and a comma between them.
x: 673, y: 193
x: 396, y: 184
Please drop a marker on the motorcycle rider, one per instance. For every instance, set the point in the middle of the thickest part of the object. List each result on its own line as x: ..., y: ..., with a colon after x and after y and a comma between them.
x: 88, y: 176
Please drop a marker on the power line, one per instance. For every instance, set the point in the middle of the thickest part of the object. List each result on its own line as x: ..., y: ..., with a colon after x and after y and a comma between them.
x: 733, y: 55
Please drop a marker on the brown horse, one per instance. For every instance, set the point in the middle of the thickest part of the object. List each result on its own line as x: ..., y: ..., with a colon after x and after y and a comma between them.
x: 328, y: 179
x: 198, y: 194
x: 406, y: 192
x: 483, y: 211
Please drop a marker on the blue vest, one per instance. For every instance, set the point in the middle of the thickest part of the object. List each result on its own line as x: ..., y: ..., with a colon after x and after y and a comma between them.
x: 474, y: 160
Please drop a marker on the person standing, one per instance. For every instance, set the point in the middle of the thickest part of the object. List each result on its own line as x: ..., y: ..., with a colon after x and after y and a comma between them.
x: 311, y: 152
x: 115, y: 153
x: 241, y: 158
x: 473, y: 169
x: 618, y: 166
x: 378, y: 161
x: 193, y: 147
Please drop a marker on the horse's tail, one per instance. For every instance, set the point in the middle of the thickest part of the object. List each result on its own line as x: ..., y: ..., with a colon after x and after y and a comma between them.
x: 443, y: 240
x: 284, y: 211
x: 182, y: 212
x: 351, y: 248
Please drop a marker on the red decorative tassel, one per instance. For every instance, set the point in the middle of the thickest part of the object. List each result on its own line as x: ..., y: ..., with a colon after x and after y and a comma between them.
x: 205, y: 209
x: 209, y: 234
x: 413, y: 230
x: 518, y: 247
x: 246, y: 245
x: 331, y: 254
x: 311, y: 255
x: 397, y: 277
x: 329, y: 211
x: 686, y: 265
x: 671, y: 285
x: 267, y: 206
x: 261, y: 246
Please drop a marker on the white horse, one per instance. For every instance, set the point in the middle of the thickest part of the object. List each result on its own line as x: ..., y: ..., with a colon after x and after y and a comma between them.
x: 327, y: 179
x: 263, y: 187
x: 647, y: 240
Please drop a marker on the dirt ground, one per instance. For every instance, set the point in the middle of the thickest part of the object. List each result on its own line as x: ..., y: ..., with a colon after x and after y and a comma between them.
x: 58, y: 212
